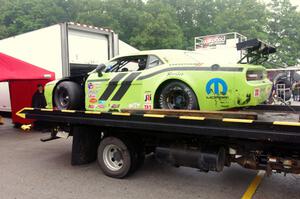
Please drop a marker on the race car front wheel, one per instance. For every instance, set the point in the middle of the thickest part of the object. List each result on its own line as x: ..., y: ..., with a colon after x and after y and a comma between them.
x: 68, y: 95
x: 177, y: 95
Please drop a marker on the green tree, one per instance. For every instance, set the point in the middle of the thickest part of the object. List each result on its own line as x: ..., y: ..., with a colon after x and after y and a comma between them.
x: 155, y: 24
x: 123, y: 16
x: 21, y: 16
x: 201, y: 17
x: 248, y: 17
x: 160, y: 29
x: 284, y: 32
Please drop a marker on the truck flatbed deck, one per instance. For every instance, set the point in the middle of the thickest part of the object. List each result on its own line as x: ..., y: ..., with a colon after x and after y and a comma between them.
x: 270, y: 125
x: 267, y: 138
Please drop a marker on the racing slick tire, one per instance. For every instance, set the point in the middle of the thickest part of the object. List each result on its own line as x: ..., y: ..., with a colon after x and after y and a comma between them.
x: 177, y: 95
x: 68, y: 95
x: 117, y: 157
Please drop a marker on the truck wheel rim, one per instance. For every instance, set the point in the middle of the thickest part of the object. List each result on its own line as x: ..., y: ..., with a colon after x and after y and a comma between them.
x: 64, y: 98
x: 112, y: 157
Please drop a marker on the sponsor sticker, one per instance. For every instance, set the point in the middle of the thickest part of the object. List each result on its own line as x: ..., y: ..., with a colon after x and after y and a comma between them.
x: 212, y: 41
x: 134, y: 105
x: 90, y: 86
x: 91, y: 94
x: 256, y: 92
x: 115, y: 106
x: 175, y: 74
x: 93, y: 100
x: 91, y: 106
x: 100, y: 105
x: 101, y: 101
x: 147, y: 106
x: 216, y: 88
x: 147, y: 97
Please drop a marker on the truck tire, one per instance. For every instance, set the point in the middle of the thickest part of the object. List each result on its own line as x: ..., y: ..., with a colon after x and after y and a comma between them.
x: 117, y: 158
x: 68, y: 95
x: 177, y: 95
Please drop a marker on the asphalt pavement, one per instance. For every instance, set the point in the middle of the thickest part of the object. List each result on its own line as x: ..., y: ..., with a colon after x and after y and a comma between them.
x: 31, y: 169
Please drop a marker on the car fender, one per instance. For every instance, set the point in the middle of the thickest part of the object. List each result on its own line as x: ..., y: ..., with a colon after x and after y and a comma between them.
x: 48, y: 92
x: 49, y: 89
x: 188, y: 81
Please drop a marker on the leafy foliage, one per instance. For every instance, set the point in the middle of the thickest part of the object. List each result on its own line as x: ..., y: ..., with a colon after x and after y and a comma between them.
x: 155, y: 24
x: 283, y: 29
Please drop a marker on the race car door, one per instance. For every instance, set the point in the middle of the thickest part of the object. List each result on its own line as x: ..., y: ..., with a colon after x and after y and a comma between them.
x: 116, y: 88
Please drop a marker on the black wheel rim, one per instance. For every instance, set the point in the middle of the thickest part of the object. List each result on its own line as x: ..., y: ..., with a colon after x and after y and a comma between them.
x: 177, y: 98
x: 63, y: 98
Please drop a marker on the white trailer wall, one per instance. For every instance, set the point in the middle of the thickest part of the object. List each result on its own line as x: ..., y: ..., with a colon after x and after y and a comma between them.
x: 62, y: 48
x: 125, y: 48
x: 87, y: 47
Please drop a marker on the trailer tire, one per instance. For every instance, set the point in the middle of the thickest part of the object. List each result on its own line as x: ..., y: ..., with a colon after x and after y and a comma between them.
x: 117, y: 157
x: 68, y: 95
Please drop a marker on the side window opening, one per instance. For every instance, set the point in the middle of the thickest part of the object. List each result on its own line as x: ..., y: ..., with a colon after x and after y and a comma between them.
x: 128, y: 64
x: 153, y: 61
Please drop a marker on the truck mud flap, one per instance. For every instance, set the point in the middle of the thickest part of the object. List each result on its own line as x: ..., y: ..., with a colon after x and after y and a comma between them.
x: 84, y: 147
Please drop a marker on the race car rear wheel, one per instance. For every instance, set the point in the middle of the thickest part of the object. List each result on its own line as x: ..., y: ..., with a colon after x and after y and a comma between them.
x: 177, y: 95
x: 68, y: 95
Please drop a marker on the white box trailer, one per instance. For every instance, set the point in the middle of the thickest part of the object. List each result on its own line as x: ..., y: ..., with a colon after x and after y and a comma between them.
x: 220, y: 47
x: 66, y: 49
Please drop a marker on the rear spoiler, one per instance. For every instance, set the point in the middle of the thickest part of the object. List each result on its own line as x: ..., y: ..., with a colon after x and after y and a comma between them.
x: 257, y: 51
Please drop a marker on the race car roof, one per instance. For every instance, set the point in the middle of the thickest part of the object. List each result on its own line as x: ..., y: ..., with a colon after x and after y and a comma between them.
x: 15, y: 69
x: 174, y: 56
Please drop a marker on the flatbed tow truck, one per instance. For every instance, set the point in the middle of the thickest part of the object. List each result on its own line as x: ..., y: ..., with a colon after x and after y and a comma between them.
x: 265, y: 137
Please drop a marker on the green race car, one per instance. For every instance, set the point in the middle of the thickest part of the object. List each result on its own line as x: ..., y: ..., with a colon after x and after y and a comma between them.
x: 162, y: 79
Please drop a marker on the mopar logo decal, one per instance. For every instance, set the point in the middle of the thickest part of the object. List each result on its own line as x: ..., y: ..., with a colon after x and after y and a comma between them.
x: 217, y: 86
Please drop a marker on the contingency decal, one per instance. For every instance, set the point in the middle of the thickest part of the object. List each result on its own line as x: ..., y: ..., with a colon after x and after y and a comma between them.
x: 257, y: 92
x: 134, y: 105
x: 125, y: 86
x: 216, y: 89
x: 115, y: 106
x: 178, y: 74
x: 93, y: 100
x: 92, y: 106
x: 112, y: 86
x: 92, y: 92
x: 148, y: 101
x: 101, y: 104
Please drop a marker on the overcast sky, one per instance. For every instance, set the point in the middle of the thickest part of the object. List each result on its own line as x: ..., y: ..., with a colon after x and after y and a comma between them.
x: 294, y: 2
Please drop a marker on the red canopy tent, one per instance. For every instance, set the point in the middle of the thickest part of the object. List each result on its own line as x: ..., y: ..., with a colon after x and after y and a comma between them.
x: 23, y: 79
